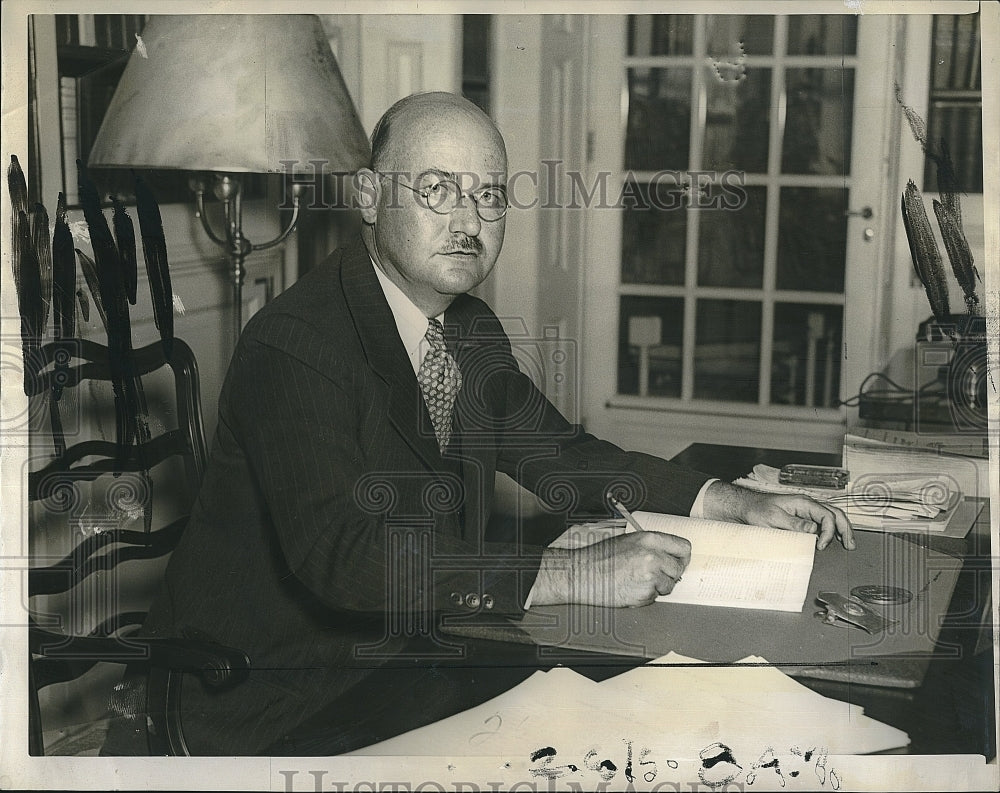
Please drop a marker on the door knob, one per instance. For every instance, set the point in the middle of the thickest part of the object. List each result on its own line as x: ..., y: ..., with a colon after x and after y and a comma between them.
x: 864, y: 212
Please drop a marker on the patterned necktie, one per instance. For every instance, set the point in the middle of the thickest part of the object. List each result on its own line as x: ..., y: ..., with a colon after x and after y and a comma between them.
x: 440, y: 381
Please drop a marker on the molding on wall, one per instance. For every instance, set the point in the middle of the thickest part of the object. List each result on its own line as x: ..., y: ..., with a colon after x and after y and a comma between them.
x: 185, y: 259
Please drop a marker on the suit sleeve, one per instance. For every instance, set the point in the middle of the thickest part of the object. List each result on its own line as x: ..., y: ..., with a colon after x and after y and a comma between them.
x: 569, y: 469
x: 298, y: 410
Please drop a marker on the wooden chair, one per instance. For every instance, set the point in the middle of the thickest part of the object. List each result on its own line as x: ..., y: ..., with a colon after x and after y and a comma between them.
x: 150, y: 698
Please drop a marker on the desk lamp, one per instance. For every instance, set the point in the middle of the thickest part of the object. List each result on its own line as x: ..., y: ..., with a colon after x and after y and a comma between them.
x: 232, y: 94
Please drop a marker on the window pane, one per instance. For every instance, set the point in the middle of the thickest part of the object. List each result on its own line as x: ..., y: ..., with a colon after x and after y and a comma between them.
x: 67, y: 29
x: 812, y: 238
x: 822, y: 34
x: 727, y: 350
x: 955, y: 50
x: 649, y: 345
x: 660, y: 34
x: 659, y: 119
x: 736, y: 123
x: 731, y: 35
x: 731, y: 241
x: 955, y: 102
x: 805, y: 368
x: 653, y: 235
x: 818, y: 121
x: 961, y: 126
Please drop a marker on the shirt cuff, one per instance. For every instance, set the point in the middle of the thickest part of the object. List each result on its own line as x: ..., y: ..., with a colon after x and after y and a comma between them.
x: 697, y: 508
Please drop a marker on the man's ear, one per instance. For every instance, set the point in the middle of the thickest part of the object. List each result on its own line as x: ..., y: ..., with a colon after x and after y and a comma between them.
x: 367, y: 191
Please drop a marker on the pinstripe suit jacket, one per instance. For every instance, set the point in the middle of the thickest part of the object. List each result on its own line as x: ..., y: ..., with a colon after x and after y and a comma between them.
x: 327, y: 505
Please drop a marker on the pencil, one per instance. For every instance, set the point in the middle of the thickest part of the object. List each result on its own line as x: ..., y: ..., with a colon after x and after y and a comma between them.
x: 620, y: 509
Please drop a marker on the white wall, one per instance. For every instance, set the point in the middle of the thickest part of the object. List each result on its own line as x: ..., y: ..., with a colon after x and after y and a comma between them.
x: 516, y: 93
x: 386, y: 57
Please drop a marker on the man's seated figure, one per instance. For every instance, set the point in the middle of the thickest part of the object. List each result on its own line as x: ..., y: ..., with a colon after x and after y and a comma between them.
x: 362, y: 421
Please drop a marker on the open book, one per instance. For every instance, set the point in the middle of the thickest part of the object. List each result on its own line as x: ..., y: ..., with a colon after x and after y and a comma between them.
x: 732, y: 564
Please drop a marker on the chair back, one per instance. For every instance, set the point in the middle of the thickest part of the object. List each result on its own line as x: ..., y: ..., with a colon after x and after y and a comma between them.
x: 97, y: 506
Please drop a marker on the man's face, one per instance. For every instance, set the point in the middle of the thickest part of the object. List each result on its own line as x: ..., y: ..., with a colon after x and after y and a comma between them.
x: 435, y: 257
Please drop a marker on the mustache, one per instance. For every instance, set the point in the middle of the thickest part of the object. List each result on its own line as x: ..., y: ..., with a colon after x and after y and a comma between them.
x: 464, y: 245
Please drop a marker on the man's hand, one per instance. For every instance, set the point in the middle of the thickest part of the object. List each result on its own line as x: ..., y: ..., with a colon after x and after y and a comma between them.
x: 793, y: 513
x: 627, y: 570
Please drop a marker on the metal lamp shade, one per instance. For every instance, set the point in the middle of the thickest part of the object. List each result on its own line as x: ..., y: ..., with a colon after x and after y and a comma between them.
x: 234, y: 93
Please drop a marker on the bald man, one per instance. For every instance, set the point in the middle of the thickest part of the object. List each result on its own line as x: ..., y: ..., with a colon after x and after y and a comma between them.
x: 346, y: 504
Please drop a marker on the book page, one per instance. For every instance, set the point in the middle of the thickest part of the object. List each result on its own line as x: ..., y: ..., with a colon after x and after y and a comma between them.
x: 732, y: 564
x: 743, y: 583
x: 736, y: 565
x: 723, y: 538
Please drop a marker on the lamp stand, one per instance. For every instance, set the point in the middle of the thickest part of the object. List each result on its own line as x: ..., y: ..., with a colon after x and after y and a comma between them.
x: 228, y: 190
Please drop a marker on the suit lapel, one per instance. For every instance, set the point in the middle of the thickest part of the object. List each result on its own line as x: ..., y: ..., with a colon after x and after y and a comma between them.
x: 467, y: 439
x: 386, y: 354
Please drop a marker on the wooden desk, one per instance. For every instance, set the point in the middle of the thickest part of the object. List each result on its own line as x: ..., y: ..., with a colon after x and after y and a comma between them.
x: 952, y: 711
x: 732, y: 462
x: 949, y: 709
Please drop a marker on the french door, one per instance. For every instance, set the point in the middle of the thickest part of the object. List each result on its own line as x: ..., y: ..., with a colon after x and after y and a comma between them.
x: 733, y: 288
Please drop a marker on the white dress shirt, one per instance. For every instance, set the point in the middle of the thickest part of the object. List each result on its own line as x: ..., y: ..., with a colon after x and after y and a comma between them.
x: 411, y: 325
x: 410, y: 320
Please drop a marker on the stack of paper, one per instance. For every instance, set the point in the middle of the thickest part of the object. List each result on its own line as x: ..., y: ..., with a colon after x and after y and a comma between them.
x: 877, y: 502
x: 671, y: 710
x: 868, y: 460
x: 895, y: 489
x: 752, y: 699
x: 965, y: 444
x: 890, y: 484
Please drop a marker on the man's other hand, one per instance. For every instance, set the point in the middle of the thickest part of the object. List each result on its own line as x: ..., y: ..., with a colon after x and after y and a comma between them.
x: 627, y: 570
x: 791, y: 512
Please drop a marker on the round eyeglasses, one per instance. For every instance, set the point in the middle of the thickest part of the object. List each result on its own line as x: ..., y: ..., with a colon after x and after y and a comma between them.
x: 444, y: 196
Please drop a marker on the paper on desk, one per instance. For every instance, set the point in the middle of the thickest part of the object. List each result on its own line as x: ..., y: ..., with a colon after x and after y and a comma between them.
x: 752, y: 699
x: 965, y: 444
x: 869, y: 460
x: 676, y: 710
x: 874, y: 466
x: 742, y: 685
x: 884, y: 502
x: 898, y: 495
x: 507, y: 724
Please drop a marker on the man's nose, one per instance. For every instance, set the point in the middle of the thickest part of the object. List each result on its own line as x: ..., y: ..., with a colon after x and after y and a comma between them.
x: 465, y: 217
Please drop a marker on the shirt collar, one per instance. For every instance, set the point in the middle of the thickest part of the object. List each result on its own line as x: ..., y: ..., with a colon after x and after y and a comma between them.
x: 410, y: 320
